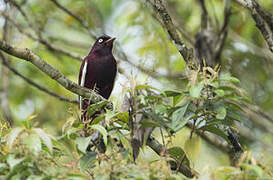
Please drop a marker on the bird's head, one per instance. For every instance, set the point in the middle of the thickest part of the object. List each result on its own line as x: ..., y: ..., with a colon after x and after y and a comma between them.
x: 103, y: 44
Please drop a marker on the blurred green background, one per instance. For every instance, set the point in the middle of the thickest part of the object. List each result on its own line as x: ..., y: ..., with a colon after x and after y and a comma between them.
x: 148, y: 47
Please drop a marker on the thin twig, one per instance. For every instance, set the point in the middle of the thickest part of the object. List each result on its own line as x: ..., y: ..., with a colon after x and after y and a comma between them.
x: 224, y: 30
x: 41, y: 40
x: 51, y: 93
x: 82, y: 22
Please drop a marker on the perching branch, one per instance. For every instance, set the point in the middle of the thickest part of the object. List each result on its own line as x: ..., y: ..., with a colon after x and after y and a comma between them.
x: 26, y: 54
x: 159, y: 8
x: 158, y: 148
x: 51, y: 93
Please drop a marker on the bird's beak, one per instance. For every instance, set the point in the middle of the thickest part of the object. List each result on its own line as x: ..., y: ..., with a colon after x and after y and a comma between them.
x: 110, y: 41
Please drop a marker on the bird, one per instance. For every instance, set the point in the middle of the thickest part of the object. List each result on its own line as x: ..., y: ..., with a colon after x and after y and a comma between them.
x: 98, y: 71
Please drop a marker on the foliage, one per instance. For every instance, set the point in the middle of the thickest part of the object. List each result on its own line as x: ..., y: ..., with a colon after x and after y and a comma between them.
x: 173, y: 99
x: 29, y: 152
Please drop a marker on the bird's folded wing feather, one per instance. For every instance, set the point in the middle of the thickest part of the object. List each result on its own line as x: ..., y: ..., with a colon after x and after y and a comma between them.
x: 82, y: 78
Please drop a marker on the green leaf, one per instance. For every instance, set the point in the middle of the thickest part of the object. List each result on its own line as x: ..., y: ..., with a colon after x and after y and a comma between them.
x: 220, y: 92
x: 178, y: 120
x: 177, y: 99
x: 124, y: 116
x: 157, y: 118
x: 215, y: 131
x: 87, y: 161
x: 72, y: 131
x: 234, y: 115
x: 170, y: 93
x: 221, y: 112
x: 145, y: 87
x: 102, y: 130
x: 252, y: 170
x: 33, y: 142
x: 92, y: 109
x: 148, y: 123
x: 82, y: 143
x: 178, y: 153
x: 10, y: 138
x: 45, y: 137
x: 98, y: 119
x: 28, y: 121
x: 12, y: 162
x: 195, y: 91
x: 229, y: 79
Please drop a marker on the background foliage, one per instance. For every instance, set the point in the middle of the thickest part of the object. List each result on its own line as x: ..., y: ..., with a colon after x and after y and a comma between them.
x: 180, y: 103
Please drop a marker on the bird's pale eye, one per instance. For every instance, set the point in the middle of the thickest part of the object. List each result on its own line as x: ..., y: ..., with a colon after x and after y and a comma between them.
x: 100, y: 40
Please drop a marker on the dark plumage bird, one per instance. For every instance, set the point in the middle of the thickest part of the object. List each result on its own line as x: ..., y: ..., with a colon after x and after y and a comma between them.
x: 98, y: 71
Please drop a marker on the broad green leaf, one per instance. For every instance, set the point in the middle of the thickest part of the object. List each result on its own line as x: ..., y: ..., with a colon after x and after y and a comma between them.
x: 124, y: 116
x: 10, y: 138
x: 178, y: 120
x: 33, y: 142
x: 12, y: 162
x: 98, y: 119
x: 92, y: 109
x: 148, y: 123
x: 229, y: 79
x: 157, y: 118
x: 221, y: 112
x: 87, y: 161
x: 182, y: 101
x: 82, y: 143
x: 177, y: 99
x: 146, y: 87
x: 252, y: 170
x: 102, y: 130
x: 234, y: 115
x: 220, y: 92
x: 170, y: 93
x: 177, y: 153
x: 214, y: 130
x: 72, y: 131
x: 195, y: 91
x: 192, y: 147
x: 45, y: 137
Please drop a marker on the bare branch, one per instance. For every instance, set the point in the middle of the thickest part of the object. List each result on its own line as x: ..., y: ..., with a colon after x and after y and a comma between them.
x: 168, y: 25
x: 82, y: 22
x: 204, y: 17
x: 224, y: 30
x: 26, y: 54
x: 51, y: 93
x: 41, y: 40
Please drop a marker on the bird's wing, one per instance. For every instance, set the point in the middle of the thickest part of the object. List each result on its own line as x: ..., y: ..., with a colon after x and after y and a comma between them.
x: 82, y: 76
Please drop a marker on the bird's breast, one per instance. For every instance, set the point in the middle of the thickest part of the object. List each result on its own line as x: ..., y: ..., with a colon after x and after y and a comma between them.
x: 104, y: 70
